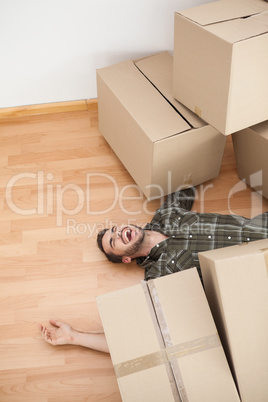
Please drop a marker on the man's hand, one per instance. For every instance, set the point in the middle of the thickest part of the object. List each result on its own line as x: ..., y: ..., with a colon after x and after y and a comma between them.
x: 62, y: 334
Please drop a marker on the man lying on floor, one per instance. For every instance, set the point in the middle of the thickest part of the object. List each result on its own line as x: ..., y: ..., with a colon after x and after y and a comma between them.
x: 169, y: 243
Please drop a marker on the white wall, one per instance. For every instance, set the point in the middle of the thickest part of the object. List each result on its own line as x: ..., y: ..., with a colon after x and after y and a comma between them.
x: 50, y: 49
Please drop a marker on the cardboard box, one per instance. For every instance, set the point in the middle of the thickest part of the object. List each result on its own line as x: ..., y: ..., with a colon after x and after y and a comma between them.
x: 163, y: 145
x: 221, y: 62
x: 236, y: 285
x: 164, y: 343
x: 251, y: 154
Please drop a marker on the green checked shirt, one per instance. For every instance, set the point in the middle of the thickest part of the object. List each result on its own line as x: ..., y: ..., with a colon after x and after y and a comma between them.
x: 192, y: 232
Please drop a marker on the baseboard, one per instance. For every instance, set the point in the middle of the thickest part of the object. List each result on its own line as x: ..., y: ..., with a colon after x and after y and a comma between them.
x: 47, y: 108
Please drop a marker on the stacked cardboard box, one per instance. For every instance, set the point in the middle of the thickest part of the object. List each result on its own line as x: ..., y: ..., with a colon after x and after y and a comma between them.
x: 236, y: 285
x: 221, y: 62
x: 251, y: 153
x: 157, y: 139
x: 220, y: 73
x: 164, y: 343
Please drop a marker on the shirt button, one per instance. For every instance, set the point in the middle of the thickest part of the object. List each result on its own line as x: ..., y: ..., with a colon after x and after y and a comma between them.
x: 248, y: 239
x: 172, y: 261
x: 229, y: 237
x: 190, y: 236
x: 173, y: 236
x: 209, y: 237
x: 157, y: 245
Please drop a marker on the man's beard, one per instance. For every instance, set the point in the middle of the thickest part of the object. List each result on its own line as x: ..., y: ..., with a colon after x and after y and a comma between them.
x: 134, y: 248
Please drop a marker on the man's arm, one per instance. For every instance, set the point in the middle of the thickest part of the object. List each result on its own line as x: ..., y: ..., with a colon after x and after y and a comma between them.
x: 183, y: 199
x: 63, y: 334
x: 178, y: 202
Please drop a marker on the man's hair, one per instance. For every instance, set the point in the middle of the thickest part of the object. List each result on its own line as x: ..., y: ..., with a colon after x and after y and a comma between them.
x: 110, y: 256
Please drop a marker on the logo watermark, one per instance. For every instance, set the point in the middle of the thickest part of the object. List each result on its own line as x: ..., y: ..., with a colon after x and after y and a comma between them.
x: 51, y: 199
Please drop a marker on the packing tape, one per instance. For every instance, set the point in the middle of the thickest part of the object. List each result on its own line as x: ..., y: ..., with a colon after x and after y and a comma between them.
x: 177, y: 351
x: 168, y: 341
x: 151, y: 360
x: 164, y: 356
x: 169, y: 354
x: 141, y: 363
x: 184, y: 349
x: 188, y: 179
x: 195, y: 346
x: 198, y: 111
x: 165, y: 360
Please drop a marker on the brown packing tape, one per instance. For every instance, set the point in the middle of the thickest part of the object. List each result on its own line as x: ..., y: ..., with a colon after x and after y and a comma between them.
x: 141, y: 363
x: 151, y: 308
x: 177, y: 351
x: 188, y: 180
x: 168, y: 354
x: 198, y: 111
x: 195, y: 346
x: 160, y: 314
x: 184, y: 349
x: 168, y: 341
x: 162, y: 345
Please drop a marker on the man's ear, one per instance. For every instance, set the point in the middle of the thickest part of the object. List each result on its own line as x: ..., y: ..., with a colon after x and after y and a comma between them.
x: 126, y: 259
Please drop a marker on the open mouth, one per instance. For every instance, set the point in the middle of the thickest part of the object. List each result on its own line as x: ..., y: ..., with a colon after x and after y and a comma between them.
x: 126, y: 235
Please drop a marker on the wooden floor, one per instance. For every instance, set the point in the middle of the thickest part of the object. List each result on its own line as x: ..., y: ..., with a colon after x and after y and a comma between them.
x: 60, y: 184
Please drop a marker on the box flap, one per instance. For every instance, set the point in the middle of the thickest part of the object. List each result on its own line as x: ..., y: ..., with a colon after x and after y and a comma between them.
x: 159, y: 71
x: 240, y: 29
x: 224, y: 10
x: 141, y: 99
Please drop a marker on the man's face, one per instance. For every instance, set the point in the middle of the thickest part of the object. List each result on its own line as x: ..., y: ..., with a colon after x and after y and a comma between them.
x: 123, y: 240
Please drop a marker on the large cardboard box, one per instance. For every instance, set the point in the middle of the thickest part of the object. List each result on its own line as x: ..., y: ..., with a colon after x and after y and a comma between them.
x: 251, y: 154
x: 236, y: 285
x: 163, y: 145
x: 221, y: 62
x: 164, y: 343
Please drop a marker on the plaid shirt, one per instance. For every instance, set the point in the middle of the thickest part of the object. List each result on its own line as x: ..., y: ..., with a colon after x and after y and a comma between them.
x: 190, y: 233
